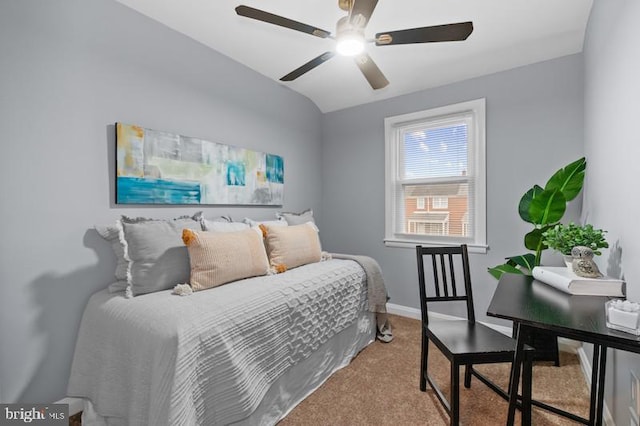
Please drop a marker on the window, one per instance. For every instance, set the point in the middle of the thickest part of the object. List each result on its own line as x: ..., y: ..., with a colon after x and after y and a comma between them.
x: 465, y: 225
x: 434, y: 224
x: 440, y: 202
x: 435, y: 177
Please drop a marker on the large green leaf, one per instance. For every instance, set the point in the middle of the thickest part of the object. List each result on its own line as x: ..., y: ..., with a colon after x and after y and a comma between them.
x: 497, y: 271
x: 547, y: 207
x: 526, y: 261
x: 533, y: 240
x: 569, y: 179
x: 525, y: 202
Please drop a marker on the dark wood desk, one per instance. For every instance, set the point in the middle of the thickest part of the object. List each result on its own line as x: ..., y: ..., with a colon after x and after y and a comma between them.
x: 532, y: 304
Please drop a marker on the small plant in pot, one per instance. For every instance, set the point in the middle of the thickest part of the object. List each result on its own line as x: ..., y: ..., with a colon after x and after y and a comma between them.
x: 563, y: 238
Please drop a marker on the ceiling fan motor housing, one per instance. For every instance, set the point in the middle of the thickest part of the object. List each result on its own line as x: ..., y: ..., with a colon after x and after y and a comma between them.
x: 345, y: 28
x: 349, y: 37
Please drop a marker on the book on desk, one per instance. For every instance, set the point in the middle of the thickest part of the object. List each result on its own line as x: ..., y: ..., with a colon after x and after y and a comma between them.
x: 564, y: 279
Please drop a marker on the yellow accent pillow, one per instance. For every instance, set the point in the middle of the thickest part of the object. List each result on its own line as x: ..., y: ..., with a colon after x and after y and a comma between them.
x: 292, y: 246
x: 217, y: 258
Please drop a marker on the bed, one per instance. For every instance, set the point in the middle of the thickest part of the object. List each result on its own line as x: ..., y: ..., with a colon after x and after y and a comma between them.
x: 244, y: 353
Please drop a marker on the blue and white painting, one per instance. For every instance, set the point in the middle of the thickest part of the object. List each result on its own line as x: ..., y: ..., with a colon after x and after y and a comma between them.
x: 275, y: 168
x: 156, y: 167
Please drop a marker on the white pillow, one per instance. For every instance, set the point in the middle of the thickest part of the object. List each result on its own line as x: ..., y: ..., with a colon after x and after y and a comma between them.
x: 112, y: 233
x: 296, y: 218
x: 254, y: 223
x: 215, y: 226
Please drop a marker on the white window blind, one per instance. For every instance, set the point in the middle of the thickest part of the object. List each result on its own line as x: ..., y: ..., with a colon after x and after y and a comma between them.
x: 435, y: 177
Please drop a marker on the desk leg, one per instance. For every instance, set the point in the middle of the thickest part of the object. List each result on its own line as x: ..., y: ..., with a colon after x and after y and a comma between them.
x: 598, y: 373
x: 521, y: 332
x: 527, y: 378
x: 602, y: 373
x: 593, y: 402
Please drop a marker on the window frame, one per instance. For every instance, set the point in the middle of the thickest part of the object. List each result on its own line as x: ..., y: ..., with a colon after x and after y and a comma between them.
x: 395, y: 127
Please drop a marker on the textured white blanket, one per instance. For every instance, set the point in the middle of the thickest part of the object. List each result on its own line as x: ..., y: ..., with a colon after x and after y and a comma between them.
x: 376, y: 293
x: 208, y: 358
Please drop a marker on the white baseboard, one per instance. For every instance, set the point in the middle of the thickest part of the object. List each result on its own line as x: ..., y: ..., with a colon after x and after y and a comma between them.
x: 564, y: 345
x: 76, y: 405
x: 405, y: 311
x: 585, y: 364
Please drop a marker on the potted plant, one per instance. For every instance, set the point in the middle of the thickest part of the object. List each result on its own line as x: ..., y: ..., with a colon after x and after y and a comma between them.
x: 543, y: 208
x: 563, y: 238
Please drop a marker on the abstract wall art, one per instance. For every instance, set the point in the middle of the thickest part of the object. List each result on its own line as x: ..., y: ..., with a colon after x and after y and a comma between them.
x: 155, y: 167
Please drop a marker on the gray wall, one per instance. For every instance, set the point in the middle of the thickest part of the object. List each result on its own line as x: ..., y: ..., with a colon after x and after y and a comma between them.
x: 612, y: 146
x: 69, y: 70
x: 534, y: 127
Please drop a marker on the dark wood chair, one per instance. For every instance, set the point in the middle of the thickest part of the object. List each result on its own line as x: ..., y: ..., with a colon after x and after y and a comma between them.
x: 462, y: 341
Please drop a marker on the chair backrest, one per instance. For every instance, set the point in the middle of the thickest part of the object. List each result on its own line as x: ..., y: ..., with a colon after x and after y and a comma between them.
x: 447, y: 288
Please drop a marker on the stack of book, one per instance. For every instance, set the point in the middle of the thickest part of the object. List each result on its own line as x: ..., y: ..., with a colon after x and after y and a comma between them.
x: 566, y: 280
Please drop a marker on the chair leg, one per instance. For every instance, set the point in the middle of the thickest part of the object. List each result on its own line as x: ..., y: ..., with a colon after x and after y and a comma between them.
x: 455, y: 394
x: 467, y: 375
x: 424, y: 362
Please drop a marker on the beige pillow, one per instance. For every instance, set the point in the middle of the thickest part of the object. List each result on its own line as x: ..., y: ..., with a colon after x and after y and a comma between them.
x: 292, y: 246
x: 217, y: 258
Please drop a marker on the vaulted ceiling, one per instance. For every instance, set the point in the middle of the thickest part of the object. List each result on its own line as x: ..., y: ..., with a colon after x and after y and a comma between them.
x: 506, y: 34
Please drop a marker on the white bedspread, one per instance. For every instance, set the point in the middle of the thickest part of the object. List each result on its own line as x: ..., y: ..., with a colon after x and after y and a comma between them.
x: 210, y: 357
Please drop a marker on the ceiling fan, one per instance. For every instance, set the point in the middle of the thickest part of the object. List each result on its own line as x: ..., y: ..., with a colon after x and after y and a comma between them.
x: 350, y: 39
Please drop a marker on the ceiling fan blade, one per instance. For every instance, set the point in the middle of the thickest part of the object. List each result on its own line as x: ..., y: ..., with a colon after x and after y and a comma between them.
x: 270, y: 18
x: 448, y: 32
x: 361, y: 11
x: 308, y: 66
x: 371, y: 72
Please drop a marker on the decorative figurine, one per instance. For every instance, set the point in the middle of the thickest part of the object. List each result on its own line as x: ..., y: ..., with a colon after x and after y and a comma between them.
x: 583, y: 264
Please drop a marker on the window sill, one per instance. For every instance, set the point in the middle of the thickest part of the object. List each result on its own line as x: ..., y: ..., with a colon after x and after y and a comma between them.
x: 473, y: 248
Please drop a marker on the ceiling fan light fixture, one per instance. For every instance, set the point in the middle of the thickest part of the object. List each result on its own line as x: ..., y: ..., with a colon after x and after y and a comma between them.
x: 350, y: 44
x: 350, y: 37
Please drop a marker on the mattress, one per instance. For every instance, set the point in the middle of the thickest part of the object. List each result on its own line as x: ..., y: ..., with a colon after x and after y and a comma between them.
x: 236, y: 354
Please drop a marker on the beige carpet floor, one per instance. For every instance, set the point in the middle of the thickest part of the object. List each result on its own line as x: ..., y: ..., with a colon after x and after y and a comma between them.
x: 380, y: 387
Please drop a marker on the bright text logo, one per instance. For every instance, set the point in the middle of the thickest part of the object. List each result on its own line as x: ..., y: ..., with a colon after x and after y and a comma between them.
x: 35, y: 414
